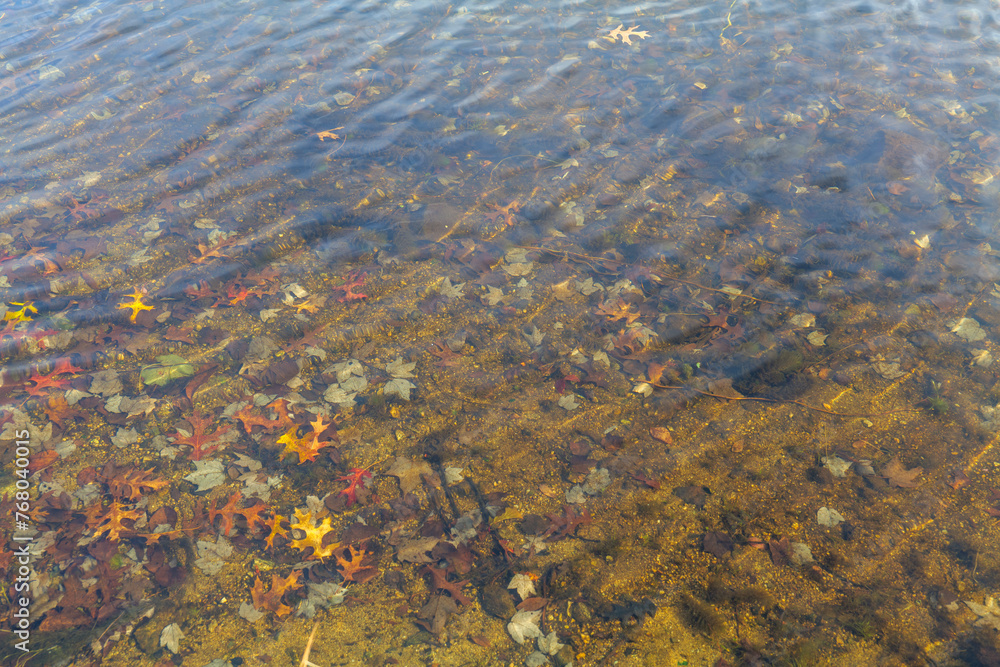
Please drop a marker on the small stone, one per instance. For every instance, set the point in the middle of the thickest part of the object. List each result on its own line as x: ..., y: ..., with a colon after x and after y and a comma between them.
x: 661, y: 434
x: 496, y: 601
x: 581, y: 613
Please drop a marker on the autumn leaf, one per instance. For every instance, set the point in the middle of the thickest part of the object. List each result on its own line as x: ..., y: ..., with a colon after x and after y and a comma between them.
x: 136, y: 305
x: 900, y: 476
x: 312, y: 535
x: 351, y: 565
x: 627, y: 34
x: 329, y: 134
x: 112, y: 521
x: 276, y: 529
x: 131, y: 483
x: 198, y: 439
x: 356, y: 477
x: 271, y: 599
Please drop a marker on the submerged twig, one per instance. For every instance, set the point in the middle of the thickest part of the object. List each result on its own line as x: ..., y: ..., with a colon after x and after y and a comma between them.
x: 305, y: 654
x: 761, y: 399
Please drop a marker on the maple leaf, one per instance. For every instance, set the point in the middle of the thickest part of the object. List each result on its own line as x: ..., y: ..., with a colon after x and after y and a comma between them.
x: 313, y: 535
x: 439, y: 582
x: 506, y: 213
x: 136, y: 306
x: 227, y: 512
x: 356, y: 477
x: 36, y: 256
x: 271, y: 599
x: 203, y: 291
x: 250, y: 418
x: 65, y: 367
x: 352, y: 568
x: 900, y: 476
x: 58, y: 410
x: 199, y: 440
x: 446, y: 356
x: 311, y: 304
x: 238, y: 293
x: 567, y: 524
x: 627, y: 34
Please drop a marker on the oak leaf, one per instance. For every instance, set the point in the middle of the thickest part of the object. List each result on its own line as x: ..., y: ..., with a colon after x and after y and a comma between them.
x: 627, y: 33
x: 313, y: 535
x: 113, y: 520
x: 352, y: 565
x: 199, y: 440
x: 271, y: 599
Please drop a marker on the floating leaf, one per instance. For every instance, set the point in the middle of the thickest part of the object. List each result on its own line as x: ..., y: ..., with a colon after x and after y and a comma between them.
x: 169, y: 367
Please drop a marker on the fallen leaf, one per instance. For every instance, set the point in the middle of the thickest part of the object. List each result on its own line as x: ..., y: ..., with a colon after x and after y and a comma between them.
x: 900, y: 476
x: 409, y: 473
x: 523, y: 584
x: 524, y: 626
x: 171, y: 638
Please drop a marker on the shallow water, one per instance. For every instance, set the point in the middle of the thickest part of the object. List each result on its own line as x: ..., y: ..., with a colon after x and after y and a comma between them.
x: 696, y: 303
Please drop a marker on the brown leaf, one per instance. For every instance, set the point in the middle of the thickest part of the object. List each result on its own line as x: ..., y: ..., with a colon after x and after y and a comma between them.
x: 900, y: 476
x: 435, y: 613
x: 409, y: 472
x: 532, y: 604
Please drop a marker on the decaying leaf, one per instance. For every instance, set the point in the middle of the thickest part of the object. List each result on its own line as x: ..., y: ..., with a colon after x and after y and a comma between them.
x: 524, y: 626
x: 899, y: 476
x: 523, y: 584
x: 168, y: 367
x: 409, y: 472
x: 436, y: 612
x: 170, y: 638
x: 207, y: 475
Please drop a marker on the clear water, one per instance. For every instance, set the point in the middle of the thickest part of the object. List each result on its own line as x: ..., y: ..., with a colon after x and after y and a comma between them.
x: 700, y: 299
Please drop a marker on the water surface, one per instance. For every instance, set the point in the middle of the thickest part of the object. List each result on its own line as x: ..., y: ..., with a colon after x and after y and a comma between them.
x: 671, y: 323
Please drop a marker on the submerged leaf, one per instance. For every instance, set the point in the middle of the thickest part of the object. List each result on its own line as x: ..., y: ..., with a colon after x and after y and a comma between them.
x: 900, y: 476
